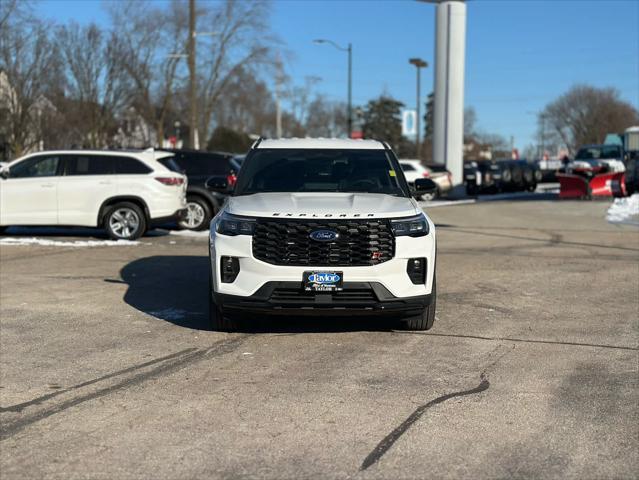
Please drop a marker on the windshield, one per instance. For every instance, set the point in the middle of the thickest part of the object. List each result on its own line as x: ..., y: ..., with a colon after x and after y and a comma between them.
x: 597, y: 152
x: 296, y: 170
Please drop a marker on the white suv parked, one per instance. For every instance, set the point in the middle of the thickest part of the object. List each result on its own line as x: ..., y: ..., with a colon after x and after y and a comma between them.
x: 124, y: 192
x: 322, y: 226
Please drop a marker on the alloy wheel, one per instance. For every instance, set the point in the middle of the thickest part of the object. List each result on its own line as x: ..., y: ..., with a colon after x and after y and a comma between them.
x: 124, y: 222
x: 194, y: 216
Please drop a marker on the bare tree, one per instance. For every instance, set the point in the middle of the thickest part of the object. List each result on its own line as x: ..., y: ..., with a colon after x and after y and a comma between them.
x: 496, y: 143
x: 98, y: 85
x: 470, y: 122
x: 585, y: 114
x: 291, y: 127
x: 7, y: 8
x: 299, y: 97
x: 246, y: 105
x: 325, y: 118
x: 150, y: 56
x: 16, y: 12
x: 241, y: 41
x: 28, y: 67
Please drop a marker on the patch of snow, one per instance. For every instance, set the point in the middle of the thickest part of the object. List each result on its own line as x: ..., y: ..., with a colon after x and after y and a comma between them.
x: 44, y: 242
x: 548, y: 187
x: 624, y: 210
x: 52, y: 231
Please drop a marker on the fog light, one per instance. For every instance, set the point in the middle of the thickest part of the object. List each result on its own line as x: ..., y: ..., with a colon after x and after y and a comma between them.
x: 230, y: 267
x: 416, y: 270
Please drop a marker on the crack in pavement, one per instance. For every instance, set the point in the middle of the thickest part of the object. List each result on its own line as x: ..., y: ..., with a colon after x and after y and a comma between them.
x: 390, y: 439
x: 172, y: 363
x: 522, y: 340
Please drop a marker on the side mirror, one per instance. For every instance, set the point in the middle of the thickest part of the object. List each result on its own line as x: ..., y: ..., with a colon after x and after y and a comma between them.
x: 218, y: 183
x: 4, y: 173
x: 425, y: 185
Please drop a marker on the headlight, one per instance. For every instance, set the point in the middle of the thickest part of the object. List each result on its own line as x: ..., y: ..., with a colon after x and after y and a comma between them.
x: 233, y: 225
x: 416, y: 226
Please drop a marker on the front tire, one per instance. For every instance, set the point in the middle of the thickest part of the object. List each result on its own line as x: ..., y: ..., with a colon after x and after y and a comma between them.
x: 125, y: 221
x: 198, y: 214
x: 429, y: 197
x: 425, y: 320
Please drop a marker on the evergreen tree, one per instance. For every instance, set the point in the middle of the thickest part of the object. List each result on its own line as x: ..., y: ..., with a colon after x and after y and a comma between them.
x: 382, y: 121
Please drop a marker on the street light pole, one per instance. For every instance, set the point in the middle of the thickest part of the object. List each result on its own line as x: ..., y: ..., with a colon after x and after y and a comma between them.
x: 193, y: 135
x: 349, y: 50
x: 543, y: 135
x: 350, y: 90
x: 419, y: 64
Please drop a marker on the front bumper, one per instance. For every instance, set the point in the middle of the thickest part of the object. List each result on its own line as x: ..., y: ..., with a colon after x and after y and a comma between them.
x: 357, y: 297
x: 254, y: 273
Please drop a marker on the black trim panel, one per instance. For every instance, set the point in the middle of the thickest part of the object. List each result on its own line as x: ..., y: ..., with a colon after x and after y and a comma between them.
x: 357, y: 297
x: 178, y: 215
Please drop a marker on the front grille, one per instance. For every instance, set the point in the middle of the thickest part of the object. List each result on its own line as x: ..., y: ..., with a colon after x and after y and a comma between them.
x: 293, y: 296
x: 287, y: 242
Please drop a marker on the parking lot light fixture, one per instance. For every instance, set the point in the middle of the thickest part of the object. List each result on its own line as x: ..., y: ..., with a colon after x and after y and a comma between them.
x: 419, y: 64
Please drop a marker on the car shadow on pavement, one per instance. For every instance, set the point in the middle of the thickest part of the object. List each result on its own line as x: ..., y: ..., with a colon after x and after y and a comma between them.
x: 174, y: 289
x: 171, y: 288
x: 296, y: 324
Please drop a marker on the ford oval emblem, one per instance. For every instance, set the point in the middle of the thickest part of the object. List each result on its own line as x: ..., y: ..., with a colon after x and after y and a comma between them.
x: 324, y: 235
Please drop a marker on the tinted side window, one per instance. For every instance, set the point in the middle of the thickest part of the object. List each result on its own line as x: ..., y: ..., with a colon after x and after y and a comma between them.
x: 43, y: 166
x: 407, y: 167
x: 171, y: 164
x: 203, y: 165
x: 128, y: 165
x: 90, y: 165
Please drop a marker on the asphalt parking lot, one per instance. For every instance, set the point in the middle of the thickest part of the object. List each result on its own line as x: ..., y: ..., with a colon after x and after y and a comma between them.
x: 531, y: 370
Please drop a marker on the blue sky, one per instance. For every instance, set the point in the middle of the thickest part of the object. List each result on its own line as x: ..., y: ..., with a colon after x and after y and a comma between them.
x: 520, y: 54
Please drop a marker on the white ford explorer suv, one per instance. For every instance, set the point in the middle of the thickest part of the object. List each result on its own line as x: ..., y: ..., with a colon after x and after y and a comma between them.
x: 321, y: 226
x: 123, y: 192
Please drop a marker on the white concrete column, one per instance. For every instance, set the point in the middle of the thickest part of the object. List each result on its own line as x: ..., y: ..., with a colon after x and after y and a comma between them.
x: 448, y: 128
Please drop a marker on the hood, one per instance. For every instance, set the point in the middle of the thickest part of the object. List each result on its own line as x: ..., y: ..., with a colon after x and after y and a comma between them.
x: 322, y: 205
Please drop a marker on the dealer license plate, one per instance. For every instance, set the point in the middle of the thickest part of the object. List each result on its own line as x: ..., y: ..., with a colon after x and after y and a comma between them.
x: 323, y: 281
